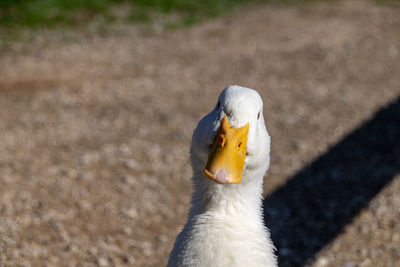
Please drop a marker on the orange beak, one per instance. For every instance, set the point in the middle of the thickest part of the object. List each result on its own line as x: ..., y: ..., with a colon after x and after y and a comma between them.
x: 227, y: 155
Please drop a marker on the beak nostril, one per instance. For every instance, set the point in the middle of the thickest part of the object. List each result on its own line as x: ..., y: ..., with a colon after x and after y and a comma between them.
x: 221, y: 140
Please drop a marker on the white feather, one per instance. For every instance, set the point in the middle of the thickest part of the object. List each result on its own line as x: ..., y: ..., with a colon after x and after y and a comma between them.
x: 225, y: 225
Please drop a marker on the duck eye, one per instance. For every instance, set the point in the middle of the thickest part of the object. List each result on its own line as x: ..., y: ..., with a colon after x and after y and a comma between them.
x: 218, y: 104
x: 240, y: 144
x: 258, y: 116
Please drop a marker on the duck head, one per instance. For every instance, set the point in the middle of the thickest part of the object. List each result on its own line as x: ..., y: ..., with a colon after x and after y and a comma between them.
x: 230, y: 145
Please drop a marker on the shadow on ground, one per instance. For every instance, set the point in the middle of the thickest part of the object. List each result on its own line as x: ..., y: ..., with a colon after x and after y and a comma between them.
x: 314, y: 206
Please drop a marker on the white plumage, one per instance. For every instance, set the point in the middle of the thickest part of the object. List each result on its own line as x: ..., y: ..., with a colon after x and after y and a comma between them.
x: 225, y: 225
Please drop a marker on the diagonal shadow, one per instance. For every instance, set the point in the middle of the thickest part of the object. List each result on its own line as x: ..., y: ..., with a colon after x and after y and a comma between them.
x: 313, y: 207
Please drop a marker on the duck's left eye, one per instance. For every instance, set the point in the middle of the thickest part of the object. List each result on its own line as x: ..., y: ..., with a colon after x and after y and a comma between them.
x: 258, y: 116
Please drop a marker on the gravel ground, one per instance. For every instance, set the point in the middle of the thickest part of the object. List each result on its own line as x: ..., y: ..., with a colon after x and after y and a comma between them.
x: 95, y: 134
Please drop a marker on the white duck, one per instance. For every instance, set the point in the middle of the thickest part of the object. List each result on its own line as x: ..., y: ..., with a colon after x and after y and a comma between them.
x: 230, y: 147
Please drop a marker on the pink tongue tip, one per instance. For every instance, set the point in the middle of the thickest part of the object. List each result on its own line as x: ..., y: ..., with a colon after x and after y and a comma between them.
x: 222, y: 176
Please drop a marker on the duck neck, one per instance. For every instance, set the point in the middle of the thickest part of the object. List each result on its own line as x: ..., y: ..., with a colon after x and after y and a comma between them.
x: 242, y: 200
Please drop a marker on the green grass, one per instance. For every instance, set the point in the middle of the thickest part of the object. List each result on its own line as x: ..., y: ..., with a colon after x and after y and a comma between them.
x: 394, y: 3
x: 49, y: 13
x: 31, y: 13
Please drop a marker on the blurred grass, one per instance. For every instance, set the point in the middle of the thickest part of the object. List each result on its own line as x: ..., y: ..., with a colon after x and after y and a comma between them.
x: 49, y: 13
x: 394, y: 3
x: 17, y: 13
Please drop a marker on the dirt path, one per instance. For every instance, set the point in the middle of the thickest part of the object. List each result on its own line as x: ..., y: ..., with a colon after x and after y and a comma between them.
x: 94, y: 166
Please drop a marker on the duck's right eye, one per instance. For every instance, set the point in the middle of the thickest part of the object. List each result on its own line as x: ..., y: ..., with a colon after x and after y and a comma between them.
x: 218, y: 105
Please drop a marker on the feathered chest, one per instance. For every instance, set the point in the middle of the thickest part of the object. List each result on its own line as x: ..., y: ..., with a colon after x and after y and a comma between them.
x: 218, y: 240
